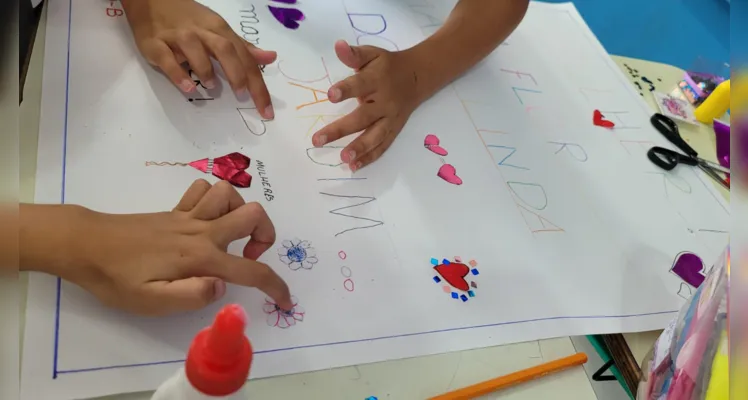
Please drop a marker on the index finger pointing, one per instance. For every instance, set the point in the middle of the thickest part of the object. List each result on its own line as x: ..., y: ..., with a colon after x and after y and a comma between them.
x: 257, y: 88
x: 242, y: 271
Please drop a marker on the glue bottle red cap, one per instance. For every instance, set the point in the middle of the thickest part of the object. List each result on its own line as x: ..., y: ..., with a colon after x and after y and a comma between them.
x: 220, y: 355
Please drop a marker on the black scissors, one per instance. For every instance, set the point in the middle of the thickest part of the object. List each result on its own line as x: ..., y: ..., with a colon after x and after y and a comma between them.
x: 668, y: 159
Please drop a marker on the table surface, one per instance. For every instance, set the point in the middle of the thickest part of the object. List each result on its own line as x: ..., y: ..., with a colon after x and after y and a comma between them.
x: 420, y: 377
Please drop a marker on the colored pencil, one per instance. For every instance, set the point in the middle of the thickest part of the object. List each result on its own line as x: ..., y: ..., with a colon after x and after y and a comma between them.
x: 483, y: 388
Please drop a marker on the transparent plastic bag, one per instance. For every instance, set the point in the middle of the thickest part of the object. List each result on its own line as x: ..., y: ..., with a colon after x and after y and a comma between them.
x: 689, y: 359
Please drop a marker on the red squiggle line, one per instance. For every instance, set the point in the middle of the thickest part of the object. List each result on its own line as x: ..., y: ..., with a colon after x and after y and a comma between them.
x: 165, y: 163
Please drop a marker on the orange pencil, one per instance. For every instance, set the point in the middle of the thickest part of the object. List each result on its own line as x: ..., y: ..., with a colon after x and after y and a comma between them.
x: 480, y: 389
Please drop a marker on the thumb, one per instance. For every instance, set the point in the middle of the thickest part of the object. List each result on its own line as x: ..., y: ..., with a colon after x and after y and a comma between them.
x: 188, y: 294
x: 355, y: 57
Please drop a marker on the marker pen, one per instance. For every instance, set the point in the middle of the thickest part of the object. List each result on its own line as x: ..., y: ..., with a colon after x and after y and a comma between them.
x: 217, y: 365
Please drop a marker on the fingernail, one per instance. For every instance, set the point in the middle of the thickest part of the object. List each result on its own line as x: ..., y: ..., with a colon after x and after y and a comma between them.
x: 334, y: 94
x: 269, y: 112
x: 210, y: 84
x: 219, y: 289
x: 351, y: 155
x: 187, y: 86
x: 320, y: 140
x: 287, y: 309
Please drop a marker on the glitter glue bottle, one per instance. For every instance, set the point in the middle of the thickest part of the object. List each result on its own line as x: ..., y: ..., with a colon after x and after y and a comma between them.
x: 217, y: 365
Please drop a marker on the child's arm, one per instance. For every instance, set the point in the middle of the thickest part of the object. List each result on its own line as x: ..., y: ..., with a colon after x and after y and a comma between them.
x: 473, y: 30
x: 156, y: 263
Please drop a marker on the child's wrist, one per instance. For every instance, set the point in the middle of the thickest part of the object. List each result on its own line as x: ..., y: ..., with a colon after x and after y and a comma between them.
x: 428, y: 75
x: 52, y: 238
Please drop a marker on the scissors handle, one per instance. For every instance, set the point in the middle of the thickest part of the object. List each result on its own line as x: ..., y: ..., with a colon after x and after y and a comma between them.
x: 669, y: 129
x: 668, y: 159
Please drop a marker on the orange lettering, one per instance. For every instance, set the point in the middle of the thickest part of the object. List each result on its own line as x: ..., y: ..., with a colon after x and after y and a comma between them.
x: 314, y: 91
x: 545, y: 224
x: 320, y: 118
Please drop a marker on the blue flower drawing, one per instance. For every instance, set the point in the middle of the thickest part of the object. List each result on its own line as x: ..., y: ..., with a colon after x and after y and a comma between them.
x: 297, y: 254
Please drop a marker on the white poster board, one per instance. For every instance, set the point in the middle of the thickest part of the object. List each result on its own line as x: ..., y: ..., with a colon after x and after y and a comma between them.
x: 564, y: 228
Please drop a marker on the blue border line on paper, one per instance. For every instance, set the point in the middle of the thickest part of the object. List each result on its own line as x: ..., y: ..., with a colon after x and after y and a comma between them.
x: 56, y: 372
x: 308, y: 346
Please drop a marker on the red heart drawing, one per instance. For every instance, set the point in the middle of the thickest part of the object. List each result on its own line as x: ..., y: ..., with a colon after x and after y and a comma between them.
x: 599, y: 120
x: 449, y: 174
x: 454, y: 274
x: 230, y: 167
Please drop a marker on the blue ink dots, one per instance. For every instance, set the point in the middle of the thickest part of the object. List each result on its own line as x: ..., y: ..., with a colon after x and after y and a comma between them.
x: 463, y: 298
x: 474, y: 271
x: 471, y: 293
x: 445, y: 262
x: 434, y: 261
x: 371, y: 398
x: 296, y: 254
x: 436, y: 279
x: 454, y: 295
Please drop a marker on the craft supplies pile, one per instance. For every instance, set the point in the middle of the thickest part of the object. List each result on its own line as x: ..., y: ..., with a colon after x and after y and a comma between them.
x: 690, y: 359
x: 517, y: 203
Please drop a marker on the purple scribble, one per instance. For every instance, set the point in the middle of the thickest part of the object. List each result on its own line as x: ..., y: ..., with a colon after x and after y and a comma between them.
x: 289, y: 17
x: 689, y: 267
x: 285, y: 1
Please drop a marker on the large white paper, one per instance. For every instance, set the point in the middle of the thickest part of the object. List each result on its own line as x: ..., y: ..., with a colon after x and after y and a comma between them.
x: 573, y: 230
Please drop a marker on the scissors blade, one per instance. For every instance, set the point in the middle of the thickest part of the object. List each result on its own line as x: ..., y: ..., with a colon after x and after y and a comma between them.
x: 714, y: 176
x: 714, y: 166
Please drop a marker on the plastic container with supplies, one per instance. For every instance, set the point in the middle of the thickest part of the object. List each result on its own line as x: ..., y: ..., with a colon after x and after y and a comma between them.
x: 218, y: 362
x: 689, y: 359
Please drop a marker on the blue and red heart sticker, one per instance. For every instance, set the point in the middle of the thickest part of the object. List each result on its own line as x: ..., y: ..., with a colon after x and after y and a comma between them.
x: 456, y: 277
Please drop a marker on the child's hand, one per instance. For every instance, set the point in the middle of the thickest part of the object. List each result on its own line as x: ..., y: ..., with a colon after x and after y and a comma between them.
x: 170, y: 32
x: 175, y: 261
x: 384, y: 85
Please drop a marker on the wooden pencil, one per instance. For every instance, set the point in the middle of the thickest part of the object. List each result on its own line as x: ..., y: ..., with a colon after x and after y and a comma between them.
x: 515, y: 378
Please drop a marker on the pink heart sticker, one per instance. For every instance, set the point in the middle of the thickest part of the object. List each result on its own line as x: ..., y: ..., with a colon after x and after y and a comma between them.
x: 432, y: 143
x: 449, y: 174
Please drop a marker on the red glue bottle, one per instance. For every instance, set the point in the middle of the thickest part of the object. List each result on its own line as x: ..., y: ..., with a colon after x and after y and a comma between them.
x: 217, y: 365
